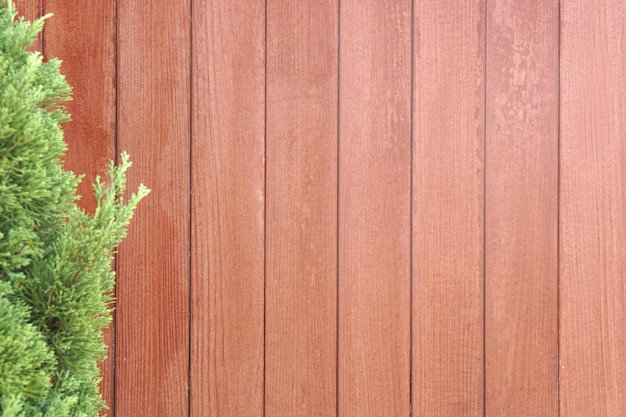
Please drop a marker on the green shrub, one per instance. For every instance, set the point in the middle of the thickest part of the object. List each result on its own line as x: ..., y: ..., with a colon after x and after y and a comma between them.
x: 55, y: 278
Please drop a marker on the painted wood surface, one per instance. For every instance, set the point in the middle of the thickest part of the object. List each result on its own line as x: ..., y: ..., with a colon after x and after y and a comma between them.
x: 448, y: 208
x: 30, y: 10
x: 359, y: 208
x: 228, y: 207
x: 301, y: 198
x: 84, y: 39
x: 152, y: 333
x: 374, y: 209
x: 521, y: 212
x: 593, y: 209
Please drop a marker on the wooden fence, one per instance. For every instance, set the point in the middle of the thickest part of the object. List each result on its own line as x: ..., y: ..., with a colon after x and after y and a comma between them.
x: 359, y: 208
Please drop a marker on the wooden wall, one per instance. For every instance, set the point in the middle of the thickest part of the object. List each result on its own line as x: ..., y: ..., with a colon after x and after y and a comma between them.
x: 359, y: 207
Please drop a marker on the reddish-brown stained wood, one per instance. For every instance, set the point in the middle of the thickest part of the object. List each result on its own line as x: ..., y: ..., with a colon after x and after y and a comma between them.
x: 521, y: 269
x: 593, y: 209
x: 374, y: 209
x: 276, y: 232
x: 30, y: 10
x: 228, y: 208
x: 153, y: 262
x: 448, y: 137
x: 301, y: 228
x: 84, y: 39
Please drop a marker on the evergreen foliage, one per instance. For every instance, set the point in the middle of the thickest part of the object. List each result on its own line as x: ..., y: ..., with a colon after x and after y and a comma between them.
x: 55, y: 277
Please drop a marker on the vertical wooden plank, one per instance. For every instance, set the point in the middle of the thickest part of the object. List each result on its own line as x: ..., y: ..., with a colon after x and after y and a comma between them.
x: 448, y: 172
x: 374, y: 208
x: 228, y: 208
x: 30, y: 10
x: 153, y: 262
x: 301, y: 229
x: 521, y: 269
x: 592, y: 204
x: 84, y: 39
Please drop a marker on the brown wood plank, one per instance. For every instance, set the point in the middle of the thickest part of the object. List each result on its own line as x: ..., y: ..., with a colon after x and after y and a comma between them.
x: 374, y: 208
x: 593, y: 209
x: 153, y: 262
x: 521, y: 269
x: 30, y: 10
x: 228, y: 208
x: 448, y: 172
x: 301, y: 229
x: 84, y: 39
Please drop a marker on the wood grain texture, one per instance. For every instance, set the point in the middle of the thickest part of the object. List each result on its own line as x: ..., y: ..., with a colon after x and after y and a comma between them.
x: 521, y: 270
x: 153, y: 262
x: 448, y: 171
x: 374, y: 208
x: 30, y: 10
x: 84, y: 39
x: 592, y: 209
x: 301, y: 229
x: 228, y: 208
x: 348, y: 255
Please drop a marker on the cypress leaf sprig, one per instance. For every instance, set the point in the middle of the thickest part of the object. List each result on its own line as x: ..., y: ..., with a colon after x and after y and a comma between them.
x: 55, y: 259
